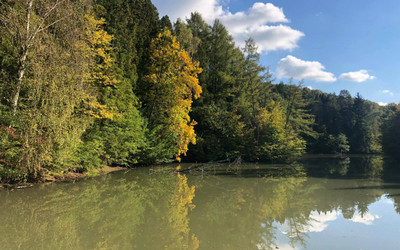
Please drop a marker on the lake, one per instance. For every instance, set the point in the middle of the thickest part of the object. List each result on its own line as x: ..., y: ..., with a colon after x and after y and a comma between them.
x: 316, y: 203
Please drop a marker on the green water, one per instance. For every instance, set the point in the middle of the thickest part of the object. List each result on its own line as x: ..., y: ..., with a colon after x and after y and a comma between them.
x: 319, y: 203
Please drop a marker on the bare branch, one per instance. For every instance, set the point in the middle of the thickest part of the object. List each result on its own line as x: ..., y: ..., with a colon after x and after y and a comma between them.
x: 52, y: 8
x: 40, y: 28
x: 59, y: 20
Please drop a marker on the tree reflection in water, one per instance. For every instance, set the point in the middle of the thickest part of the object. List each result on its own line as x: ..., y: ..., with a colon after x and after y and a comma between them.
x: 219, y: 207
x: 121, y: 211
x: 284, y: 199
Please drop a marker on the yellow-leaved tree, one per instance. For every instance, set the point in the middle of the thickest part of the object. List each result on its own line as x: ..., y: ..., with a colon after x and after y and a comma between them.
x: 275, y: 141
x: 102, y: 73
x: 172, y: 84
x: 178, y: 218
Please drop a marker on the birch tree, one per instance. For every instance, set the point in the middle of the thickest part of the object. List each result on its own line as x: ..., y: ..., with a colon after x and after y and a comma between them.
x: 53, y: 93
x: 25, y: 21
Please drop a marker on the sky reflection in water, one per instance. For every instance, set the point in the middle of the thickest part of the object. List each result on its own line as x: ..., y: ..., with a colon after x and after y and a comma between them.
x: 319, y: 203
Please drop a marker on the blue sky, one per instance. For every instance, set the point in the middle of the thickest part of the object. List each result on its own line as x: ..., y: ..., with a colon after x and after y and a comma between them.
x: 332, y: 45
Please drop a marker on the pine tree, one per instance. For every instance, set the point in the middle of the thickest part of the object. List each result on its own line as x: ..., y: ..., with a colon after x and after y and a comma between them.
x: 391, y: 133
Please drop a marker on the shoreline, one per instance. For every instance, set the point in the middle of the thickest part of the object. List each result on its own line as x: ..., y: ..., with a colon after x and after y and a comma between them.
x: 65, y: 177
x: 72, y: 176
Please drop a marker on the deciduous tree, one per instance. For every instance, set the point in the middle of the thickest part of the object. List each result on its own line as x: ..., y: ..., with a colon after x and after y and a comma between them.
x: 173, y: 84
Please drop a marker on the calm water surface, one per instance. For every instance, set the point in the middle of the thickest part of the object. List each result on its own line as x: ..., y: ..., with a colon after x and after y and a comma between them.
x: 318, y: 203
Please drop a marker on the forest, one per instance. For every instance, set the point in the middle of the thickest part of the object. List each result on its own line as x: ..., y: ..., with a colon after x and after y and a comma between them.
x: 91, y: 83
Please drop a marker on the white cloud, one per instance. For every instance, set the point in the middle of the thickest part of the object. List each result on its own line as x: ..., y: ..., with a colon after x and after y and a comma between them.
x: 269, y: 38
x: 386, y: 199
x: 255, y: 22
x: 292, y: 67
x: 175, y: 9
x: 388, y: 92
x: 383, y: 103
x: 367, y: 219
x: 357, y: 76
x: 258, y: 15
x: 309, y: 87
x: 317, y: 222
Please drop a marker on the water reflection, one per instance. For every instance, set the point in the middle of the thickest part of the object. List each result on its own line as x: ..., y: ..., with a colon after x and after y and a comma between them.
x: 264, y: 212
x: 370, y: 166
x: 218, y: 207
x: 123, y: 211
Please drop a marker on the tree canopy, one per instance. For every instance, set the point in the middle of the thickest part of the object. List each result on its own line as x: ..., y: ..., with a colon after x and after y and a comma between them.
x: 85, y: 84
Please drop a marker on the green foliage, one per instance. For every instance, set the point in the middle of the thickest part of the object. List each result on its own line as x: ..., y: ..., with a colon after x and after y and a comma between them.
x: 115, y: 138
x: 330, y: 144
x: 391, y: 132
x: 133, y: 24
x: 296, y: 114
x: 358, y: 119
x: 275, y: 142
x: 237, y: 113
x: 114, y: 142
x: 365, y: 127
x: 185, y: 37
x: 220, y: 134
x: 220, y: 129
x: 8, y: 70
x: 342, y: 144
x: 11, y: 147
x: 51, y: 81
x: 90, y: 154
x: 87, y: 84
x: 165, y: 23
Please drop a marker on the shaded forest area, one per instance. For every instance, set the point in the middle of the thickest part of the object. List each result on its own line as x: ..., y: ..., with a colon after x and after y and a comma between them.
x: 85, y: 84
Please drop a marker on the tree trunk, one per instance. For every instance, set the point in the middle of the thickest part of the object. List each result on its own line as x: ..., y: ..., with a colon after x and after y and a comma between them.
x: 22, y: 61
x: 21, y: 73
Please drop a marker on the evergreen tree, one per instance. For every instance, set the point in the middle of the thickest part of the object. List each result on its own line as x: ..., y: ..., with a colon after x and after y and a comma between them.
x: 133, y: 24
x: 391, y: 132
x: 165, y: 23
x: 219, y: 129
x: 365, y: 131
x: 185, y: 37
x: 297, y: 115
